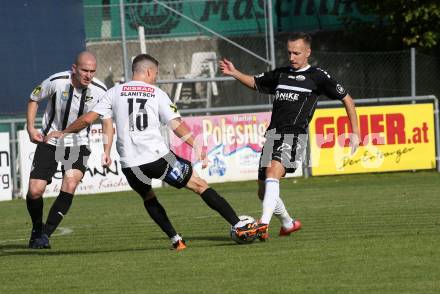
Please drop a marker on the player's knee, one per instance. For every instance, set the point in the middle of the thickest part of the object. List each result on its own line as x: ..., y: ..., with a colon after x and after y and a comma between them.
x: 270, y: 174
x: 198, y: 185
x: 69, y: 186
x: 273, y: 173
x: 148, y: 195
x: 202, y: 186
x: 35, y: 192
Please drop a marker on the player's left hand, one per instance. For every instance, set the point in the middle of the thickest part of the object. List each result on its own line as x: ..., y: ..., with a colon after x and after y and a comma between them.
x: 54, y: 134
x: 106, y: 160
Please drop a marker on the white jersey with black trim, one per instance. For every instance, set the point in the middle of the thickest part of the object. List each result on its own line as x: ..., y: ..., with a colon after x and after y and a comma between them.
x: 66, y: 105
x: 138, y: 110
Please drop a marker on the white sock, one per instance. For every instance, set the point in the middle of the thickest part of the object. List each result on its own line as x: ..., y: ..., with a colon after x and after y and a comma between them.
x: 281, y: 213
x: 176, y: 238
x: 271, y: 196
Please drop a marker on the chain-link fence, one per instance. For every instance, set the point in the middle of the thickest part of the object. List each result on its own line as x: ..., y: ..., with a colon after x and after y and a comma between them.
x: 189, y: 37
x: 372, y: 74
x: 427, y: 75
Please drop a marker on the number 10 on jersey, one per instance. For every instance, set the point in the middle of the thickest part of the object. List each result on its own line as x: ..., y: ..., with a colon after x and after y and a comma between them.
x: 138, y: 118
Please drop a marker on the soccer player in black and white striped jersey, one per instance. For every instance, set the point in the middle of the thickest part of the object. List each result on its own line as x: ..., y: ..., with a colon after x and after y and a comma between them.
x: 70, y: 93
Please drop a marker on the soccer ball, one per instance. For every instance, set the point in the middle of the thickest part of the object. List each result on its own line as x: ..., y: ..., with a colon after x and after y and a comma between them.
x: 244, y: 220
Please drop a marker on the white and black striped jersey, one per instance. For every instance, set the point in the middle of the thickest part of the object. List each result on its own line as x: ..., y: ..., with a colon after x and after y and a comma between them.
x: 296, y: 95
x: 66, y: 105
x: 138, y: 110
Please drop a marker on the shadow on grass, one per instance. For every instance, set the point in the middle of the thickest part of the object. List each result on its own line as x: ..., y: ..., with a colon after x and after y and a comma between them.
x: 199, y: 238
x: 225, y: 241
x: 22, y: 249
x: 14, y: 246
x: 55, y: 252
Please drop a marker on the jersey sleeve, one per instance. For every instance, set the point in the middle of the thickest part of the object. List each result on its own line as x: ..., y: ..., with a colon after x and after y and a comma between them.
x: 100, y: 96
x: 267, y: 82
x: 43, y: 91
x: 104, y: 105
x: 167, y: 110
x: 329, y: 87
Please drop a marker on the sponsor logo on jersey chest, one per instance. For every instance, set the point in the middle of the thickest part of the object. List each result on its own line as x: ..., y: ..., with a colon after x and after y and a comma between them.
x: 286, y: 96
x: 298, y: 78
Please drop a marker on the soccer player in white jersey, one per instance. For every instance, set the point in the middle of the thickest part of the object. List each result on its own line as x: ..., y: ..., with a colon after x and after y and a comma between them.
x: 70, y: 94
x: 138, y: 109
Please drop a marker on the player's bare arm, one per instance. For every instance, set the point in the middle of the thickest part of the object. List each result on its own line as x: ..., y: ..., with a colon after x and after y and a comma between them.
x: 228, y: 68
x: 108, y: 133
x: 183, y: 132
x: 82, y: 122
x: 352, y: 116
x: 34, y: 135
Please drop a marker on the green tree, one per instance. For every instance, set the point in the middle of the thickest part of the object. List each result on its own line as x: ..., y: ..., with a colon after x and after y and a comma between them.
x: 414, y: 23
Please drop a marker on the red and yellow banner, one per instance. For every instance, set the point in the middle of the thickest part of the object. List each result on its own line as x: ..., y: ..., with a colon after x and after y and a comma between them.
x: 396, y: 137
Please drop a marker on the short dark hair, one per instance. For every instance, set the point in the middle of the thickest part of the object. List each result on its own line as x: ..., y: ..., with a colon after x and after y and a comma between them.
x: 140, y: 58
x: 300, y: 36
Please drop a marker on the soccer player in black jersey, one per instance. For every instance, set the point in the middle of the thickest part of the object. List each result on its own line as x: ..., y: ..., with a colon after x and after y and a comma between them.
x: 70, y: 93
x: 296, y: 89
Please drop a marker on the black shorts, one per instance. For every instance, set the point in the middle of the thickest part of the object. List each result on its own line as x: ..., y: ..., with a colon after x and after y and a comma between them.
x: 171, y: 169
x: 288, y: 149
x: 46, y: 158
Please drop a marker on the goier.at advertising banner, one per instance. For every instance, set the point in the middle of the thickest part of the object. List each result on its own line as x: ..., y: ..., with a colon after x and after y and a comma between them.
x: 234, y: 143
x: 394, y: 137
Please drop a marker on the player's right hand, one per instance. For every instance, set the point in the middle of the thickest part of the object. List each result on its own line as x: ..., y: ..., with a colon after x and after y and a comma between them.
x: 204, y: 158
x: 35, y: 136
x: 226, y: 67
x: 202, y: 155
x: 354, y: 143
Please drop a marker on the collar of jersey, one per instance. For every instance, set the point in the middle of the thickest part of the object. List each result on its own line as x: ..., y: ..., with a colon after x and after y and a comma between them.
x: 302, y: 69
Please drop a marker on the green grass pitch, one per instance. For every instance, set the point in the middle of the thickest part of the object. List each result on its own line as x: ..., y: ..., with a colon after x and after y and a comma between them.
x: 376, y: 233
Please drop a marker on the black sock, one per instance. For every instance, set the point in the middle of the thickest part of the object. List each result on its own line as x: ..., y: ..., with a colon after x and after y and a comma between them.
x: 35, y: 209
x: 57, y: 212
x: 219, y: 204
x: 159, y: 215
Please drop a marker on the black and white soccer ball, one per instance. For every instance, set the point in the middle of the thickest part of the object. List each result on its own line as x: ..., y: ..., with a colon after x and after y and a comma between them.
x: 244, y: 220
